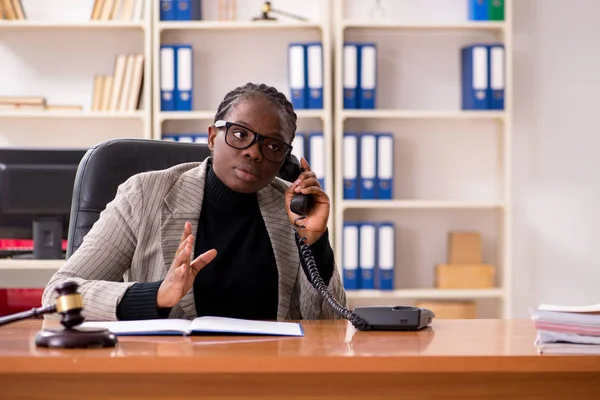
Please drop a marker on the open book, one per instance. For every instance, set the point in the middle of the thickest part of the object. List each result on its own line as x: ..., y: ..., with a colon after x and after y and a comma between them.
x: 200, y: 325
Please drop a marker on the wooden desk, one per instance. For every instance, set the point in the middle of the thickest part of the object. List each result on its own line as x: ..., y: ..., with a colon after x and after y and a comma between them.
x: 458, y: 359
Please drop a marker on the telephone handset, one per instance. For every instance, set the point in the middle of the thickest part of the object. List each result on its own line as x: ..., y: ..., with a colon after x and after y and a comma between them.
x: 388, y: 318
x: 301, y: 204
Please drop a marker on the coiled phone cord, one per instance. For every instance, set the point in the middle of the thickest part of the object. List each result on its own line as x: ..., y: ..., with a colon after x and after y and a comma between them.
x: 320, y: 285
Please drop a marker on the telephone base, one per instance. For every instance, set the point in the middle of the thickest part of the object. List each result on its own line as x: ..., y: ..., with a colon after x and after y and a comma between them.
x: 394, y: 318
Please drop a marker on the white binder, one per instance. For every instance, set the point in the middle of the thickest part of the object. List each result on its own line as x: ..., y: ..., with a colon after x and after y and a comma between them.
x: 386, y: 256
x: 368, y: 77
x: 368, y: 166
x: 167, y: 78
x: 298, y: 146
x: 297, y: 75
x: 367, y: 256
x: 317, y: 156
x: 350, y: 166
x: 185, y: 68
x: 350, y: 255
x: 385, y: 166
x: 350, y: 76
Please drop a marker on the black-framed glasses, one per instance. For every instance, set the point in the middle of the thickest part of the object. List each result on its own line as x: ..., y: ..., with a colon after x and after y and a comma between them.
x: 240, y: 137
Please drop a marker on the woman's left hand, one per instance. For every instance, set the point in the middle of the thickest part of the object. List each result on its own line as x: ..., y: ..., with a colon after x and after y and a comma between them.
x: 316, y: 220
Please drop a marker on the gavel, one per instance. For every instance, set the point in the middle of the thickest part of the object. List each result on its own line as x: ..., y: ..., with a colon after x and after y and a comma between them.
x: 69, y: 304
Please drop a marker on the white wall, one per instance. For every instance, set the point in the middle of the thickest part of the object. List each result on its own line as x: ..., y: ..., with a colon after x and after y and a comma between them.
x: 556, y: 140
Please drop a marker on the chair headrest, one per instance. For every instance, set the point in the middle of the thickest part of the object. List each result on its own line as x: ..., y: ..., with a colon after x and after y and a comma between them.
x: 108, y: 164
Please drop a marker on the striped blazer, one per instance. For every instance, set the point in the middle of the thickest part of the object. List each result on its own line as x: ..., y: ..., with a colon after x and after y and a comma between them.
x: 136, y: 237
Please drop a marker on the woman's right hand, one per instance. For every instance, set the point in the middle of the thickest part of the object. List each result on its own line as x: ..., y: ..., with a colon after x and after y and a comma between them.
x: 181, y: 275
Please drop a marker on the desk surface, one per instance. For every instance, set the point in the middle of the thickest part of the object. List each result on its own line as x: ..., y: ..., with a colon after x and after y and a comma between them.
x: 446, y: 346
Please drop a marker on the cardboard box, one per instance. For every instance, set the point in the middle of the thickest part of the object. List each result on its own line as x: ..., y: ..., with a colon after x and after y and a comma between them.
x: 450, y: 309
x: 464, y: 248
x: 479, y: 276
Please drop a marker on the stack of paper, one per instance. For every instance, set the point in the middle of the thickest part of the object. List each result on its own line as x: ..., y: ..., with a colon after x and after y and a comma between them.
x: 567, y: 329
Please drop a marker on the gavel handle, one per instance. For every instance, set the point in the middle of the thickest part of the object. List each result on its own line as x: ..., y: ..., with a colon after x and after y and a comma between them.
x: 34, y: 312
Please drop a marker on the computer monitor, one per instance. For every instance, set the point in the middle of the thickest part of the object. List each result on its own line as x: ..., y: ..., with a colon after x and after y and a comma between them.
x: 36, y: 188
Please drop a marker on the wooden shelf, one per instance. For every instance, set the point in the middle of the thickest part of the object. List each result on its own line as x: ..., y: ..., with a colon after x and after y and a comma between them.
x: 483, y: 25
x: 416, y: 114
x: 352, y: 24
x: 185, y: 115
x: 420, y: 204
x: 235, y: 25
x: 425, y: 294
x: 310, y: 114
x: 205, y: 115
x: 73, y: 114
x: 30, y: 265
x: 15, y: 273
x: 88, y: 25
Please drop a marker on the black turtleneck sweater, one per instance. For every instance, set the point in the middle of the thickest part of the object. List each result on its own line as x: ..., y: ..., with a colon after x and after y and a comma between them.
x: 242, y: 280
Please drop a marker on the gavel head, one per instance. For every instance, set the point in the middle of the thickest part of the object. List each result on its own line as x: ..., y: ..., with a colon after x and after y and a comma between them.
x: 69, y: 304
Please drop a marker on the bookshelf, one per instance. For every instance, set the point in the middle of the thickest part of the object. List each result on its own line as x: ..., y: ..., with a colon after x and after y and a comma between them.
x: 436, y: 186
x: 451, y: 166
x: 222, y: 61
x: 55, y: 53
x: 425, y: 25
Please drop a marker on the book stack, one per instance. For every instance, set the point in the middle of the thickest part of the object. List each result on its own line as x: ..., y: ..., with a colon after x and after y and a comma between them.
x: 118, y: 10
x: 22, y: 103
x: 122, y: 90
x: 227, y: 10
x: 567, y: 329
x: 32, y: 103
x: 11, y: 10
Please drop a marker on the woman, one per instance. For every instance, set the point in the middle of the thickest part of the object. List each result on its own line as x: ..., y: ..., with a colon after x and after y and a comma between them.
x: 211, y: 238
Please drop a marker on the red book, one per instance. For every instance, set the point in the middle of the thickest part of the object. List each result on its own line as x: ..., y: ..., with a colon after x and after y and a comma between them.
x: 22, y: 299
x: 22, y: 244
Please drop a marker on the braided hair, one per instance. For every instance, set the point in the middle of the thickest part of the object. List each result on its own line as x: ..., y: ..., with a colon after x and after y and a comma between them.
x: 287, y: 116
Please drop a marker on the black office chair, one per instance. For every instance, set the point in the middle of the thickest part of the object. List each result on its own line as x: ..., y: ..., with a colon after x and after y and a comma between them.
x: 105, y: 166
